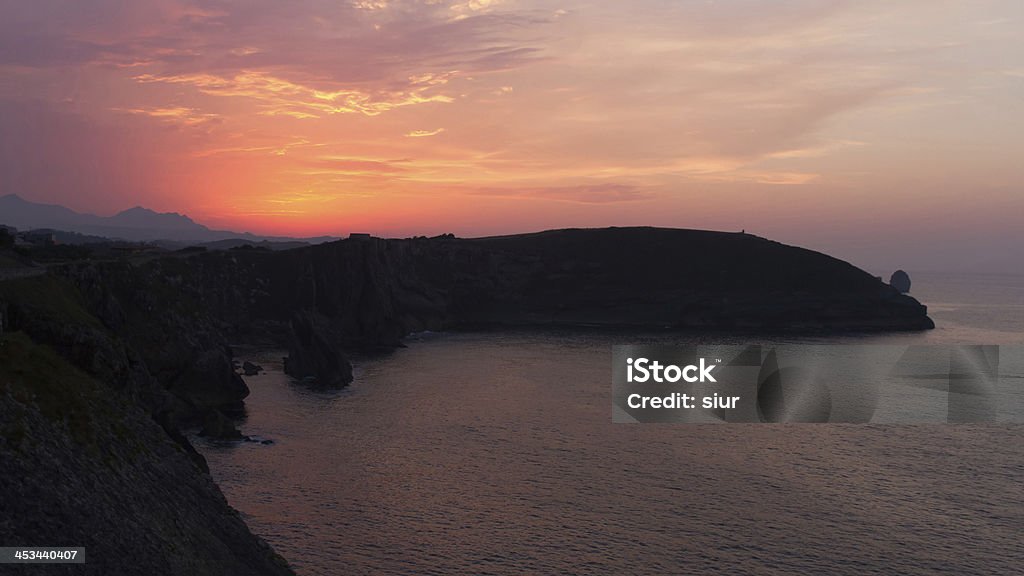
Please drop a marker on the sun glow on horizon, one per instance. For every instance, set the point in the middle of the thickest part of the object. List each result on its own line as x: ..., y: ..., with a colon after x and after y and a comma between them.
x: 804, y: 120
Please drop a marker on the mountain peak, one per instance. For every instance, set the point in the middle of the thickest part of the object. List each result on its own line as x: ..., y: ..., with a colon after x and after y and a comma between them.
x: 140, y: 216
x: 136, y: 223
x: 136, y: 209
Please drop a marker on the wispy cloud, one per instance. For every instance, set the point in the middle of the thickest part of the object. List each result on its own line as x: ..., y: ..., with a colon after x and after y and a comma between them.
x: 277, y: 96
x: 605, y: 193
x: 423, y: 133
x: 175, y: 115
x: 334, y: 165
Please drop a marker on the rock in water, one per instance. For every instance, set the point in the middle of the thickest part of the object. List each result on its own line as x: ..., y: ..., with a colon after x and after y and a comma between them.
x: 900, y: 280
x: 314, y: 355
x: 250, y: 369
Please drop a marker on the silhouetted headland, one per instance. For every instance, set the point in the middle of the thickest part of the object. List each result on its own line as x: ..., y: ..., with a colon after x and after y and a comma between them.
x: 179, y: 309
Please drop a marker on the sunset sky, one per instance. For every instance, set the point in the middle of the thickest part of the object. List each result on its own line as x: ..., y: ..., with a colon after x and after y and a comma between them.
x: 887, y: 133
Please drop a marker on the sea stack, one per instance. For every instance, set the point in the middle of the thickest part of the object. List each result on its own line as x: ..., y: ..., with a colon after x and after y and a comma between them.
x: 900, y: 280
x: 313, y: 353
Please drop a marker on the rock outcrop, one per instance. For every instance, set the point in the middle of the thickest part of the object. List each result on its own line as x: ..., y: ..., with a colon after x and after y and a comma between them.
x: 900, y: 280
x: 314, y: 355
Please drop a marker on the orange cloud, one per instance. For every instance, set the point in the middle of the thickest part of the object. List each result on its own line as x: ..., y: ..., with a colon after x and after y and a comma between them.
x: 278, y: 96
x: 606, y: 193
x: 176, y: 115
x: 424, y: 133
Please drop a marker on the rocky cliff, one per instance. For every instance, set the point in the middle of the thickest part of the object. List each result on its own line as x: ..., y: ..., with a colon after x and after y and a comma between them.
x: 87, y: 460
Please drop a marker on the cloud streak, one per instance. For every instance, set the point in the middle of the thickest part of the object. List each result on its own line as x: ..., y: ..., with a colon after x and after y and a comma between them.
x: 605, y: 193
x: 280, y: 97
x: 423, y: 133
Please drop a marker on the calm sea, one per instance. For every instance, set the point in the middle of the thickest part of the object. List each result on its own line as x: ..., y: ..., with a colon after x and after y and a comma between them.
x: 495, y: 454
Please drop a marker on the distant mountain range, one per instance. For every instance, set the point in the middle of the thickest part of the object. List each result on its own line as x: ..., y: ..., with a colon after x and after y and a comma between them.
x: 135, y: 224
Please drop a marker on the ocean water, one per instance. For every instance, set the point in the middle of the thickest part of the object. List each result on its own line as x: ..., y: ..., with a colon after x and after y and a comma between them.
x: 495, y: 453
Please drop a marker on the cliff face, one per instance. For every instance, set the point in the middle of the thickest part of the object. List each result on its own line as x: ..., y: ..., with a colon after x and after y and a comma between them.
x: 175, y: 332
x: 87, y: 463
